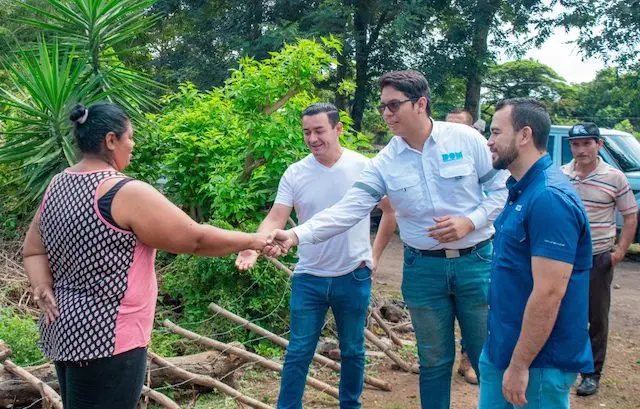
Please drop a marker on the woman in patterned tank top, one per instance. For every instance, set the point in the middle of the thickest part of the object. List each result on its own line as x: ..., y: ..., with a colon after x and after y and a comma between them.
x: 89, y: 254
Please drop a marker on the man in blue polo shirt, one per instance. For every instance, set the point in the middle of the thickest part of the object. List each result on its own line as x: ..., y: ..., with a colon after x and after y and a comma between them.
x: 538, y: 337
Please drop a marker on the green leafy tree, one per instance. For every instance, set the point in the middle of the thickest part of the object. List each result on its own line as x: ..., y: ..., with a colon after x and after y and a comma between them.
x: 612, y: 97
x: 608, y: 29
x: 524, y: 78
x: 220, y: 153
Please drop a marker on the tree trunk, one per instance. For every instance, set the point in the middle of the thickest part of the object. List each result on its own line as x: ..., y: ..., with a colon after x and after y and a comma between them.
x: 15, y: 392
x: 341, y: 74
x: 360, y: 27
x: 478, y: 59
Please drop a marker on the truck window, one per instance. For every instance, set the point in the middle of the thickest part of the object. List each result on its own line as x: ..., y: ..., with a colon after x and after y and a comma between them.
x: 550, y: 144
x: 567, y: 156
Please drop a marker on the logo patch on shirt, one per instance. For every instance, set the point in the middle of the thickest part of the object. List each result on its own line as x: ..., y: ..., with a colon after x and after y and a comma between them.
x: 451, y: 156
x: 555, y: 243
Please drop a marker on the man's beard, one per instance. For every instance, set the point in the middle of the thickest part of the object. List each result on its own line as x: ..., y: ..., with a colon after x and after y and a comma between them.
x: 506, y: 158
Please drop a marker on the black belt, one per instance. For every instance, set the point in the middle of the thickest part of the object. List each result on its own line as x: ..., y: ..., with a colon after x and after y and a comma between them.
x: 450, y: 253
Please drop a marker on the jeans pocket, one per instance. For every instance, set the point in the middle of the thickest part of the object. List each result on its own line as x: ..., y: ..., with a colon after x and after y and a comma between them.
x: 361, y: 274
x: 409, y: 257
x: 485, y: 258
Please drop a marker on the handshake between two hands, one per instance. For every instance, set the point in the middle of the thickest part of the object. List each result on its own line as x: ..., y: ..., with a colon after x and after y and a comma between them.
x: 274, y: 244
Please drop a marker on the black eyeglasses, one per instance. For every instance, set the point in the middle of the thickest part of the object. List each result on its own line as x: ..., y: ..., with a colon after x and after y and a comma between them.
x: 394, y: 105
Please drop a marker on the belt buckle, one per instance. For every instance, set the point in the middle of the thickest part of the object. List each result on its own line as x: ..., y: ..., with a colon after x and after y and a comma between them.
x: 450, y: 253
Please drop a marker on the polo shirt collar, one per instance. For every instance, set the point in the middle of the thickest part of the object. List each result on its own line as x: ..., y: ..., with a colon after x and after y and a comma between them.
x: 516, y: 187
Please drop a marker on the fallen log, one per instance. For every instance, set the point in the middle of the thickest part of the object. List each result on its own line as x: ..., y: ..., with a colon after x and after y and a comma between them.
x: 14, y: 391
x: 329, y: 363
x: 248, y: 356
x: 50, y: 396
x: 207, y: 381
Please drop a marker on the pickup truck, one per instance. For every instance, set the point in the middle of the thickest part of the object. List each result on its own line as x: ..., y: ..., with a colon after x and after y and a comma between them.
x: 620, y: 150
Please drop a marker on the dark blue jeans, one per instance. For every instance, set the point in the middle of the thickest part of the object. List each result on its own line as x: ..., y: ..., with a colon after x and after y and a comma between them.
x: 311, y: 296
x: 105, y: 383
x: 437, y: 291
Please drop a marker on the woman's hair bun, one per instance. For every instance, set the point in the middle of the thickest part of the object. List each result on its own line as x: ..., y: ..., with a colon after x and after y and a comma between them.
x: 79, y: 114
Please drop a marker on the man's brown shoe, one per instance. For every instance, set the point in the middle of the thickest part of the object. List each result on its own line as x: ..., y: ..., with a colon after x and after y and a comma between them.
x: 466, y: 370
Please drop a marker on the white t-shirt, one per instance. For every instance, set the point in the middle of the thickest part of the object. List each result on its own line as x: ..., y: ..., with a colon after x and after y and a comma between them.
x: 310, y: 187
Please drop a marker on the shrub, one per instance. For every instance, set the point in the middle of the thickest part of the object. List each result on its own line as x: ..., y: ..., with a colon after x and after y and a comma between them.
x: 260, y: 295
x: 20, y: 332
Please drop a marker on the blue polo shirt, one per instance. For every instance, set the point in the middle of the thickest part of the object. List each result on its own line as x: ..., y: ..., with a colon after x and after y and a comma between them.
x: 543, y: 217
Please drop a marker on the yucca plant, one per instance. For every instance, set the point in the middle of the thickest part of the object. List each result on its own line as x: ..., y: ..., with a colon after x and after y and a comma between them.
x: 104, y: 30
x: 82, y: 64
x: 45, y: 84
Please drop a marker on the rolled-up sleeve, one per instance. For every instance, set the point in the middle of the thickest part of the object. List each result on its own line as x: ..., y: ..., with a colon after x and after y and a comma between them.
x: 493, y: 183
x: 354, y: 206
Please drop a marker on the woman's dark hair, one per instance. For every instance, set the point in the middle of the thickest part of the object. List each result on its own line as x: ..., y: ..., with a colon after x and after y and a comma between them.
x: 94, y: 123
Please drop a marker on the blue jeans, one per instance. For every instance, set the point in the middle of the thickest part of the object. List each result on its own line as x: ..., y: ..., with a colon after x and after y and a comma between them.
x: 548, y: 388
x: 438, y: 290
x: 311, y: 296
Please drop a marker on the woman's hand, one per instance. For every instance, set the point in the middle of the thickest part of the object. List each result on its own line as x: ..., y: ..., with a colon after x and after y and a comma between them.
x: 46, y: 300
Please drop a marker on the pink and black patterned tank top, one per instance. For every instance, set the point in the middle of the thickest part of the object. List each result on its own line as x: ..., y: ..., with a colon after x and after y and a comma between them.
x: 103, y: 277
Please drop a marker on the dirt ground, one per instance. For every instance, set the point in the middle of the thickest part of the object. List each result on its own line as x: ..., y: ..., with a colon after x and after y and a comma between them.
x: 620, y: 387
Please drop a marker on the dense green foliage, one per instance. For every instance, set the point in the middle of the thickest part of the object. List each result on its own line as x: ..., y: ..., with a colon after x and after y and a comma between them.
x: 220, y: 154
x: 21, y: 333
x: 608, y: 28
x: 260, y: 295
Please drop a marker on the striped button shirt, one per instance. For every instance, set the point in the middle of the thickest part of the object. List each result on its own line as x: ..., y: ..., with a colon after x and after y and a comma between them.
x: 601, y: 192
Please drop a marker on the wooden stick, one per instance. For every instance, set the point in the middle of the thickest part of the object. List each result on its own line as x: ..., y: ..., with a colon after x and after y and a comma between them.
x: 208, y: 381
x: 385, y: 327
x: 249, y: 356
x: 291, y: 222
x: 281, y: 266
x: 160, y: 398
x: 390, y: 353
x: 378, y: 383
x: 5, y: 351
x: 45, y: 390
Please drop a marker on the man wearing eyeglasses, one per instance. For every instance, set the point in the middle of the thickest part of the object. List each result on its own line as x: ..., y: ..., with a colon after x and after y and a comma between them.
x: 440, y: 181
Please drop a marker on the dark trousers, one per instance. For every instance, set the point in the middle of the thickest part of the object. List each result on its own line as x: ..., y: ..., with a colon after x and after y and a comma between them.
x: 600, y: 279
x: 105, y: 383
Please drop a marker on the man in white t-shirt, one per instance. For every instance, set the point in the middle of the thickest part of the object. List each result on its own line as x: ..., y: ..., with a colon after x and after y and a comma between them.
x: 335, y: 273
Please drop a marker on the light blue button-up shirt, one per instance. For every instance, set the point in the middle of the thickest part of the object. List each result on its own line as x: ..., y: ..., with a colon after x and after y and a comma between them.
x: 452, y: 175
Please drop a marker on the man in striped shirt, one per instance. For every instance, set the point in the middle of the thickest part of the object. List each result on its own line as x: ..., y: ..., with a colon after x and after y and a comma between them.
x: 602, y: 189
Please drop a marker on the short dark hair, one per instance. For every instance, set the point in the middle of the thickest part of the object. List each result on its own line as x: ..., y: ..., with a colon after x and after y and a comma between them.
x: 456, y: 111
x: 92, y: 124
x: 319, y: 107
x: 412, y: 83
x: 532, y: 113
